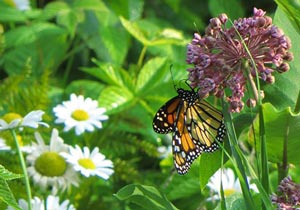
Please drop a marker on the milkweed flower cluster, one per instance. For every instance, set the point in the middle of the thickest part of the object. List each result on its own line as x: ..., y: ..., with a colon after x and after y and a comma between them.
x: 220, y: 58
x: 288, y: 195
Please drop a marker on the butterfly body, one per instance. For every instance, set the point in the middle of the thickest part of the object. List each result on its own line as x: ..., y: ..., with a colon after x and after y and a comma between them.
x: 195, y: 124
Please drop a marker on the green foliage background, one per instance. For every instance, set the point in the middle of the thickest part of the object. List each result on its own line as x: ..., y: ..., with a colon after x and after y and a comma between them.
x: 119, y: 53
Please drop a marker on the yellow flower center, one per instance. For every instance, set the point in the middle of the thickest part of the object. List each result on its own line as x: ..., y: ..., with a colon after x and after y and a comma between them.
x: 50, y: 164
x: 20, y: 140
x: 9, y: 117
x: 10, y: 3
x: 87, y: 163
x: 80, y: 115
x: 228, y: 192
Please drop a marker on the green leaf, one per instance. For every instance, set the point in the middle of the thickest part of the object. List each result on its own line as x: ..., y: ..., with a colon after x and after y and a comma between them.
x: 114, y: 44
x: 115, y: 99
x: 52, y: 9
x: 280, y: 126
x: 166, y: 36
x: 7, y: 175
x: 147, y: 197
x: 235, y: 201
x: 106, y: 72
x: 210, y: 163
x: 43, y: 44
x: 284, y: 91
x: 88, y: 88
x: 188, y: 184
x: 132, y: 9
x: 150, y: 74
x: 233, y: 8
x: 70, y: 19
x: 291, y: 9
x: 8, y: 14
x: 5, y: 192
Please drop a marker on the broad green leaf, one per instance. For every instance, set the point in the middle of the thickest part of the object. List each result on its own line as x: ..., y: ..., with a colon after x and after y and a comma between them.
x: 147, y: 197
x: 90, y: 5
x: 5, y: 192
x: 135, y: 31
x: 184, y: 186
x: 235, y: 201
x: 103, y: 33
x: 280, y: 126
x: 30, y: 34
x: 210, y: 163
x: 131, y: 9
x: 150, y: 74
x: 114, y: 44
x: 70, y: 19
x: 115, y: 99
x: 88, y: 88
x: 52, y: 9
x: 7, y: 175
x: 291, y: 9
x: 166, y: 36
x: 233, y: 8
x: 40, y: 45
x: 106, y: 72
x: 284, y: 91
x: 8, y: 14
x: 6, y: 195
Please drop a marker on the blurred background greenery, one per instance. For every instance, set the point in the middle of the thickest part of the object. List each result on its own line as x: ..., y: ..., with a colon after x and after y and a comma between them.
x: 119, y: 53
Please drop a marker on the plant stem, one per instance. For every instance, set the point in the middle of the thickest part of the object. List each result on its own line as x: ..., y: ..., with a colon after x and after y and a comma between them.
x: 23, y: 165
x: 141, y: 58
x: 297, y: 107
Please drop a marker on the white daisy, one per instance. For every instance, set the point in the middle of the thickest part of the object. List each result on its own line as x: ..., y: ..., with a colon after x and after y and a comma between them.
x: 89, y: 164
x: 79, y: 113
x: 3, y: 145
x: 13, y: 120
x: 229, y: 181
x: 36, y: 204
x: 52, y: 203
x: 19, y: 4
x: 47, y: 167
x: 24, y: 148
x: 164, y: 151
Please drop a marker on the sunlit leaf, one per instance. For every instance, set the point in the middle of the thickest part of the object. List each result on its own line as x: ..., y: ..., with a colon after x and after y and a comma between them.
x: 115, y: 99
x: 280, y: 127
x: 147, y: 197
x: 284, y: 91
x: 150, y: 74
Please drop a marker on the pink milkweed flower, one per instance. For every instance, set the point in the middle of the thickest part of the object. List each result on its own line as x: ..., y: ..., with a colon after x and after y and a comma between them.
x: 220, y: 59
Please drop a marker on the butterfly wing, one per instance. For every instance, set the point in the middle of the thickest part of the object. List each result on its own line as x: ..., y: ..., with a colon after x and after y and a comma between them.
x: 185, y: 151
x: 206, y: 125
x: 197, y: 128
x: 165, y: 117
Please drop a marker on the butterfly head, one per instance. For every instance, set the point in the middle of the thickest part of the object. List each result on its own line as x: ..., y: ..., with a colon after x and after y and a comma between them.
x: 190, y: 96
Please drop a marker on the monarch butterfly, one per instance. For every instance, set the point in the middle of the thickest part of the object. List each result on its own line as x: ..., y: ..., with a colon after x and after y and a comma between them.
x: 196, y: 126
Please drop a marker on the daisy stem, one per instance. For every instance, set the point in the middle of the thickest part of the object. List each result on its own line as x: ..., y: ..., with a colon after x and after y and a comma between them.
x: 23, y: 165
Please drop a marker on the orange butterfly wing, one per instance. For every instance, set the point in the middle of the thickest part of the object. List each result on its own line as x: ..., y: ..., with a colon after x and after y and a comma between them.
x: 196, y: 126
